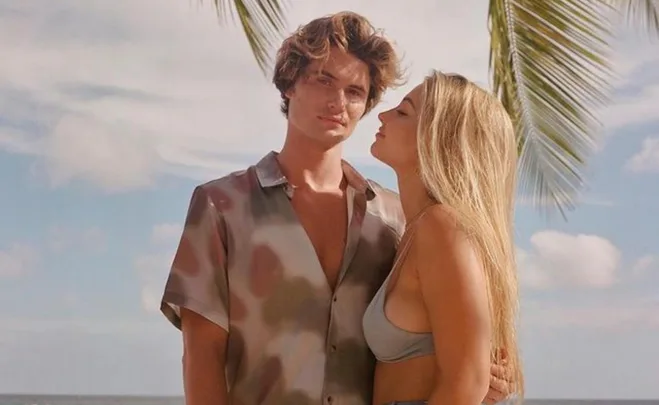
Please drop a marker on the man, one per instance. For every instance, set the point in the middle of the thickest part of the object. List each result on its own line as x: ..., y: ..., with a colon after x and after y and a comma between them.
x: 277, y: 263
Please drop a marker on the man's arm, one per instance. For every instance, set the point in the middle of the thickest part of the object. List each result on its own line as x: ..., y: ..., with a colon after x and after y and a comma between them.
x: 454, y: 291
x: 196, y: 300
x: 204, y: 354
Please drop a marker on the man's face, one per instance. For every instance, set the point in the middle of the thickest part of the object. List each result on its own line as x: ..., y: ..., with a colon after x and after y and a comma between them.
x: 327, y: 102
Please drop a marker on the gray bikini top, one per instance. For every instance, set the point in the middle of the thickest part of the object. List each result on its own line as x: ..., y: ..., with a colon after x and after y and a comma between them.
x: 389, y: 343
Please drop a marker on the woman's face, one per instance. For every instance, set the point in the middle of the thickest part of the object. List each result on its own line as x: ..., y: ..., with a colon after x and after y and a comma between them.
x: 395, y: 143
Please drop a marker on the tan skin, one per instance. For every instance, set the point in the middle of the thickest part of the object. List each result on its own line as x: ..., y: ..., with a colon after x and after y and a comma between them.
x: 325, y: 107
x: 439, y: 288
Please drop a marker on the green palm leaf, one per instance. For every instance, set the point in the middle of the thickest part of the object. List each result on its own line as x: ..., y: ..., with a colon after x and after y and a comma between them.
x: 550, y: 69
x: 262, y: 21
x: 640, y: 13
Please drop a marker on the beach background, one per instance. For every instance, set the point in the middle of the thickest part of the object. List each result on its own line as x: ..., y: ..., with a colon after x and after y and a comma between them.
x: 131, y: 400
x: 111, y: 112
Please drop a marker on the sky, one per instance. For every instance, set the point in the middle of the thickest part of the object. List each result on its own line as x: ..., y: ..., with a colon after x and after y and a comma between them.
x: 111, y: 113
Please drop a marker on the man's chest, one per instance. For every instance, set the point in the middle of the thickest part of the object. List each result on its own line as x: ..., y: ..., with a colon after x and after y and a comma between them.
x: 324, y: 219
x: 318, y: 244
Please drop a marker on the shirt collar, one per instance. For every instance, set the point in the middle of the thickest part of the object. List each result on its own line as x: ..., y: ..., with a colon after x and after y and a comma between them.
x: 269, y: 174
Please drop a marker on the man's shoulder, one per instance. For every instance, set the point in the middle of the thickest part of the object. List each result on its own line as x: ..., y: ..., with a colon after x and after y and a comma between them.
x: 386, y: 205
x: 227, y: 190
x: 231, y: 180
x: 380, y: 189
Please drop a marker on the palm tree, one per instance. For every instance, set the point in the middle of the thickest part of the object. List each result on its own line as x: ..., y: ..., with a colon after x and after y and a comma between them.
x: 549, y: 65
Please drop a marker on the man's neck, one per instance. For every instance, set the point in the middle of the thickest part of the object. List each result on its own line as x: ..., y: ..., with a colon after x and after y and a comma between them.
x: 307, y: 165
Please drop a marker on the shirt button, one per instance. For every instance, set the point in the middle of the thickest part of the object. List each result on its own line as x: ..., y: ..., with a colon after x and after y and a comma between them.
x: 334, y: 299
x: 333, y: 348
x: 329, y: 399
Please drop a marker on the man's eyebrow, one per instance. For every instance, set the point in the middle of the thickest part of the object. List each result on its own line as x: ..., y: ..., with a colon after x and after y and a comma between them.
x: 331, y: 76
x: 328, y: 74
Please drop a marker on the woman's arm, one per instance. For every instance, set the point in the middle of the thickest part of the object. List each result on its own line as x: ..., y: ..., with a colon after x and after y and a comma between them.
x: 454, y: 291
x: 204, y: 353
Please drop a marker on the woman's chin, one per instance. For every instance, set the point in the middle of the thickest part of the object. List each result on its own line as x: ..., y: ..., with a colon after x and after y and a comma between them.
x: 376, y: 152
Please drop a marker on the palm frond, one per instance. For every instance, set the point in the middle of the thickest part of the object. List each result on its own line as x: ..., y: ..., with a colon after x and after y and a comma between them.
x: 263, y: 23
x: 641, y: 14
x: 549, y: 67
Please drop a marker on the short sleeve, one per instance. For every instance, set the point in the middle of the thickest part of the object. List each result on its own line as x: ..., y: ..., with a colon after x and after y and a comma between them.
x: 198, y: 278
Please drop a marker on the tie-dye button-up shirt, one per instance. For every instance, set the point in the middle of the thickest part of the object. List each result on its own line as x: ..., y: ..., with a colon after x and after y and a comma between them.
x: 245, y: 263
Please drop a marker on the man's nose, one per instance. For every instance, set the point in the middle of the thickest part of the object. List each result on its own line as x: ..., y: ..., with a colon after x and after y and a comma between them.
x: 337, y: 101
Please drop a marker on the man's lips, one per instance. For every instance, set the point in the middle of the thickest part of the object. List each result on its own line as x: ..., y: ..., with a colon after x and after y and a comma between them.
x: 333, y: 120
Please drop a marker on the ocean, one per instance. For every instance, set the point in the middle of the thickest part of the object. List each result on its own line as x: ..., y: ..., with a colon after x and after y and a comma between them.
x: 130, y: 400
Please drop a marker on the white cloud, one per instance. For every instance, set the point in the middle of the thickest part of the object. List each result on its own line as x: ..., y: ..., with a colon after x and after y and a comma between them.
x: 117, y: 99
x: 126, y: 98
x: 137, y: 98
x: 630, y: 110
x: 63, y: 238
x: 153, y: 267
x: 644, y: 264
x: 166, y: 233
x: 635, y: 62
x: 17, y: 260
x: 558, y: 259
x: 585, y: 199
x: 619, y: 314
x: 152, y: 270
x: 100, y: 152
x: 647, y: 159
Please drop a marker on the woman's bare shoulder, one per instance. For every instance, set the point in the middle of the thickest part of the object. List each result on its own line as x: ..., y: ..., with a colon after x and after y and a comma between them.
x: 438, y: 222
x: 440, y: 238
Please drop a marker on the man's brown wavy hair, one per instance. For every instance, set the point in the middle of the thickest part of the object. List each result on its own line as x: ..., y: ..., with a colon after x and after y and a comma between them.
x: 349, y: 32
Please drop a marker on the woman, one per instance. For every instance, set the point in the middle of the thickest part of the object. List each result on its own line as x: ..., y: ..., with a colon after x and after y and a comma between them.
x: 451, y: 298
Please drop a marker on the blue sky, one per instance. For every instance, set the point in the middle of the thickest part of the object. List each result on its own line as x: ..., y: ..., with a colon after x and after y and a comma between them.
x: 111, y: 113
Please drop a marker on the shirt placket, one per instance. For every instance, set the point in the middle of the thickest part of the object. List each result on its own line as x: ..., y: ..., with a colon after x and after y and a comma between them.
x: 358, y: 210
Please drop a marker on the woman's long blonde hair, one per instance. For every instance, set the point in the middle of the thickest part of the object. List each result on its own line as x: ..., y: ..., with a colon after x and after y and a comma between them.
x: 468, y: 161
